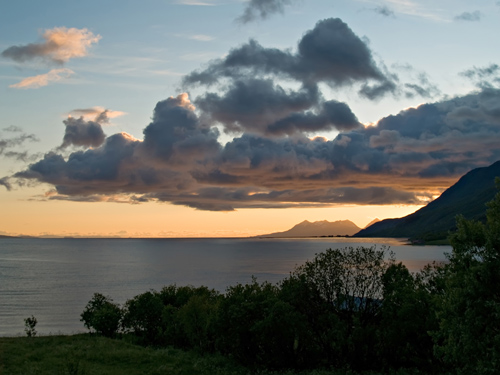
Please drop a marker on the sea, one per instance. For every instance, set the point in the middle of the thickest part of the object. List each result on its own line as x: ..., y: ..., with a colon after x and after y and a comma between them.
x: 53, y: 279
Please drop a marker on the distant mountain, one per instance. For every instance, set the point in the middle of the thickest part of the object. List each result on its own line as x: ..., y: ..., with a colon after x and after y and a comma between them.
x: 467, y: 197
x: 372, y: 222
x: 317, y: 229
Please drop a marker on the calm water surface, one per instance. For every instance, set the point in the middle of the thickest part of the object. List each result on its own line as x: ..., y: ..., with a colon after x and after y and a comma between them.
x: 53, y: 279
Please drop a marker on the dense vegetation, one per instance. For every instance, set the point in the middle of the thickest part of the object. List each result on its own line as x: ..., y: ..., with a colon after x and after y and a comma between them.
x: 351, y: 309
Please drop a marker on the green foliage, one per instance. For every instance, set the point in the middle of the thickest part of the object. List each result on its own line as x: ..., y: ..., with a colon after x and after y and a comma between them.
x: 197, y: 319
x: 102, y: 315
x: 29, y: 326
x: 407, y: 315
x: 143, y: 315
x: 345, y: 290
x: 91, y: 354
x: 469, y: 317
x: 181, y: 316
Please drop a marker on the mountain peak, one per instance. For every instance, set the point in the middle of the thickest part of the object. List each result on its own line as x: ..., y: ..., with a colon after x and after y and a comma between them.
x: 318, y: 229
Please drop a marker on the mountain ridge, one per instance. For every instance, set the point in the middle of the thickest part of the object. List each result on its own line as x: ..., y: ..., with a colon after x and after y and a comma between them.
x: 467, y: 197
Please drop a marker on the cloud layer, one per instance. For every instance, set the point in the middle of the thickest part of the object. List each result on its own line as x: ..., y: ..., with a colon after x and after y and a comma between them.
x: 270, y: 101
x: 403, y: 159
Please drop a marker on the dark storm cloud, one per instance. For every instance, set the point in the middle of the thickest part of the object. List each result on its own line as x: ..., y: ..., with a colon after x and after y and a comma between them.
x: 176, y: 133
x: 481, y: 109
x: 469, y: 16
x: 225, y: 199
x: 251, y: 105
x: 79, y: 132
x: 329, y: 53
x: 332, y: 116
x: 263, y: 9
x: 402, y: 159
x: 271, y: 99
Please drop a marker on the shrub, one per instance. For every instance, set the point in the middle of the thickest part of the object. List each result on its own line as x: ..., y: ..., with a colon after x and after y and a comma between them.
x: 102, y: 315
x: 29, y: 326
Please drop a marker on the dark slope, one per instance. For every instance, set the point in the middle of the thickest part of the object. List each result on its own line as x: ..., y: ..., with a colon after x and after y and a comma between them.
x: 467, y: 197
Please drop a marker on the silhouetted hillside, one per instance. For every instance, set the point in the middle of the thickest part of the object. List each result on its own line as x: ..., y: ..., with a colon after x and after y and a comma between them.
x: 318, y: 228
x: 467, y: 197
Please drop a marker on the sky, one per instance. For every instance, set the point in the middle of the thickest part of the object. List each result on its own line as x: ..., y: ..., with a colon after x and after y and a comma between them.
x: 229, y: 118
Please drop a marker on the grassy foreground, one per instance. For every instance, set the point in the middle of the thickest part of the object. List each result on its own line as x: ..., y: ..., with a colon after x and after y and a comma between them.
x: 87, y: 355
x: 95, y: 355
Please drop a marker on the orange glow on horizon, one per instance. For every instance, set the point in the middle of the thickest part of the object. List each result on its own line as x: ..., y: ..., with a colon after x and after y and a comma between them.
x: 63, y: 218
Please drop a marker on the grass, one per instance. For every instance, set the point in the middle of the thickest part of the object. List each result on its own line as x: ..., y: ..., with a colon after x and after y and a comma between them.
x: 94, y: 355
x: 89, y: 355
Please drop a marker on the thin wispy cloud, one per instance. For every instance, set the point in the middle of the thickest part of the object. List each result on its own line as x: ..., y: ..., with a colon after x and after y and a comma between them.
x: 194, y: 3
x: 42, y: 80
x: 97, y: 113
x: 201, y: 37
x: 415, y: 9
x: 11, y: 145
x: 198, y: 37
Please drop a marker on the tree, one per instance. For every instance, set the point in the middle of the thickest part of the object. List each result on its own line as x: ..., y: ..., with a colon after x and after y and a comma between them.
x: 349, y: 283
x: 102, y: 315
x: 256, y: 327
x: 143, y: 315
x: 469, y: 318
x: 407, y: 315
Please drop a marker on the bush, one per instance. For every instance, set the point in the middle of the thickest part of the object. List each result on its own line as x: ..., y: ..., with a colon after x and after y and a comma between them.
x: 102, y: 315
x: 29, y: 326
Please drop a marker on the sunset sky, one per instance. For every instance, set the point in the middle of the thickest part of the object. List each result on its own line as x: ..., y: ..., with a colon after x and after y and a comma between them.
x: 182, y: 118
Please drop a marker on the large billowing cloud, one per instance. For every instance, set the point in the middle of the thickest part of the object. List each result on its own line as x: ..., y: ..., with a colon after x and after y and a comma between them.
x: 59, y: 45
x: 329, y: 53
x: 87, y: 130
x: 79, y: 132
x: 270, y: 101
x: 403, y: 159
